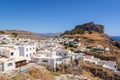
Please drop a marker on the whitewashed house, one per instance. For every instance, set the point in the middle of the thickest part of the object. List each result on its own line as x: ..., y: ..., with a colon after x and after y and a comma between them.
x: 79, y: 56
x: 101, y: 62
x: 91, y: 59
x: 88, y: 58
x: 110, y: 65
x: 100, y: 47
x: 54, y: 62
x: 27, y: 51
x: 63, y: 53
x: 7, y: 64
x: 107, y: 49
x: 10, y: 58
x: 9, y: 52
x: 95, y: 60
x: 11, y: 63
x: 5, y: 37
x: 49, y: 59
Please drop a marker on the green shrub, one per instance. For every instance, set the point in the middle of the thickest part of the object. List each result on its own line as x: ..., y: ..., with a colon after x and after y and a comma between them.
x: 14, y: 34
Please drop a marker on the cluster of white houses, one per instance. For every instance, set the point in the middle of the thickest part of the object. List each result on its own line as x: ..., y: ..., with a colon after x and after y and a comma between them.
x: 53, y: 59
x: 50, y: 53
x: 12, y: 56
x: 111, y: 65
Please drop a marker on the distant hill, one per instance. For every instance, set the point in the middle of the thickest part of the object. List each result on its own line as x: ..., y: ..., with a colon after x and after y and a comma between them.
x: 21, y: 34
x: 49, y: 34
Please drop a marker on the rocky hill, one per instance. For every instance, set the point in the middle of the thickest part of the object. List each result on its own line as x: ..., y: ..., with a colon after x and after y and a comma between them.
x: 20, y: 34
x: 81, y: 29
x: 91, y: 26
x: 91, y: 34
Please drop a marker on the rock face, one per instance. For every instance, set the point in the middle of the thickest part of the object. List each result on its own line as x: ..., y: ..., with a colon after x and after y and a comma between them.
x: 91, y: 26
x: 117, y: 44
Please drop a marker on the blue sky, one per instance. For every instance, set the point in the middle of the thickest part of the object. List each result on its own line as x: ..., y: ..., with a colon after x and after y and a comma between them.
x: 44, y: 16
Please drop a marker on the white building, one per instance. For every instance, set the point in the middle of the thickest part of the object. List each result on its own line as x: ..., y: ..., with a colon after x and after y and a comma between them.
x: 50, y: 59
x: 27, y: 51
x: 55, y: 61
x: 11, y: 63
x: 9, y: 52
x: 5, y: 37
x: 7, y: 64
x: 63, y: 53
x: 91, y: 59
x: 88, y: 58
x: 110, y: 65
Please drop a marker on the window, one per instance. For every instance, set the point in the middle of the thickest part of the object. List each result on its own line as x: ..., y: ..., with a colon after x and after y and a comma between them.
x: 65, y: 54
x: 34, y: 53
x: 30, y: 48
x: 27, y: 49
x: 27, y: 55
x: 33, y: 48
x: 45, y: 61
x: 59, y: 53
x: 9, y: 64
x: 30, y: 54
x: 12, y: 53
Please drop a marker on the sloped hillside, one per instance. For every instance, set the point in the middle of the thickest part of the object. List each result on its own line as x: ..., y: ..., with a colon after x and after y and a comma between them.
x: 34, y: 74
x: 21, y: 34
x: 91, y: 34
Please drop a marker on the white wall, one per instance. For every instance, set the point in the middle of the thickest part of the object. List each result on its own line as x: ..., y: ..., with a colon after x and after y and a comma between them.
x: 63, y: 53
x: 7, y: 50
x: 4, y: 53
x: 6, y: 65
x: 21, y: 51
x: 7, y: 53
x: 27, y: 51
x: 15, y: 53
x: 1, y: 66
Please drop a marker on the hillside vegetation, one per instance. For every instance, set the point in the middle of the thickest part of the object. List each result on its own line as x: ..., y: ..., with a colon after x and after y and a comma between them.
x: 21, y: 34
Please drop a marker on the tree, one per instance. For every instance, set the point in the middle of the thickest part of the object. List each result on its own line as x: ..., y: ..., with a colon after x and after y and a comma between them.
x: 67, y: 32
x: 70, y: 44
x: 2, y: 32
x: 14, y: 34
x: 76, y: 39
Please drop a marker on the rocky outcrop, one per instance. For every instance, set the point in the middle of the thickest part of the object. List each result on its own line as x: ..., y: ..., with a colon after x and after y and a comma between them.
x: 117, y: 44
x: 91, y: 26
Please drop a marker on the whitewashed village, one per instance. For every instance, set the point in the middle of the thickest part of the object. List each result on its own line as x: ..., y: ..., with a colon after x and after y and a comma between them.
x: 15, y: 53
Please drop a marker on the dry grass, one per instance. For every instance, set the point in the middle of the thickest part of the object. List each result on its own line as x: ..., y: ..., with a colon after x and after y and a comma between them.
x: 34, y: 74
x: 90, y: 75
x: 86, y: 70
x: 97, y: 37
x: 2, y: 77
x: 23, y: 34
